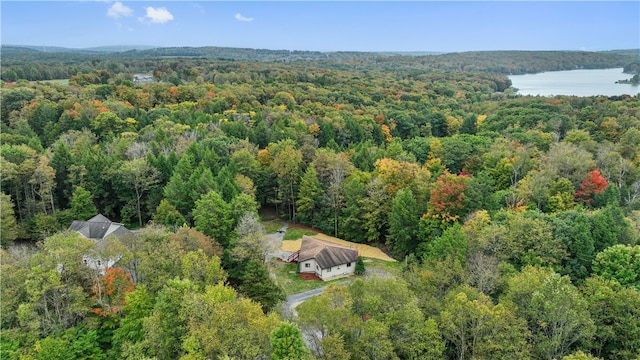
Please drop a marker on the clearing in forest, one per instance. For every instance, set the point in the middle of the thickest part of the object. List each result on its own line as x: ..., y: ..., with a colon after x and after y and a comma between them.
x: 363, y: 250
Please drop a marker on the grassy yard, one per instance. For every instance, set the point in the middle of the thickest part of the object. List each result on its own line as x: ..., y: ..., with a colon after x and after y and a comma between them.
x: 295, y: 233
x: 273, y: 225
x: 394, y: 268
x: 287, y: 275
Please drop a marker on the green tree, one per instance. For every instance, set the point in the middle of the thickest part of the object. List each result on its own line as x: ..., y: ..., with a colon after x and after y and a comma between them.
x: 286, y: 164
x: 138, y: 306
x: 287, y: 343
x: 360, y: 268
x: 475, y: 328
x: 390, y: 302
x: 82, y: 206
x: 374, y: 342
x: 605, y: 235
x: 309, y: 196
x: 374, y: 207
x: 574, y: 228
x: 352, y: 214
x: 213, y: 216
x: 107, y: 124
x: 328, y: 315
x: 451, y: 246
x: 556, y: 313
x: 242, y: 204
x: 579, y: 355
x: 530, y: 241
x: 165, y: 328
x: 223, y: 325
x: 201, y: 269
x: 404, y: 220
x: 141, y: 176
x: 615, y: 311
x: 620, y: 263
x: 257, y: 285
x: 167, y: 214
x: 8, y: 225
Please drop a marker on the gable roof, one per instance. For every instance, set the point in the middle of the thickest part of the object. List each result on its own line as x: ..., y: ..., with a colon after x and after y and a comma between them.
x: 99, y: 227
x: 326, y: 254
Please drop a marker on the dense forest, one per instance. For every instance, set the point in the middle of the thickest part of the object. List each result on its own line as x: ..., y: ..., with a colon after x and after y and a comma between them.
x: 516, y: 219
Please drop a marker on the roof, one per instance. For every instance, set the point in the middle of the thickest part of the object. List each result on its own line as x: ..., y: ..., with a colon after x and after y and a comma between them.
x: 99, y: 227
x: 326, y: 254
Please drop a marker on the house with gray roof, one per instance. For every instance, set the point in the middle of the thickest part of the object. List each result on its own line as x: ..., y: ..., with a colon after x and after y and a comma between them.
x: 98, y: 228
x: 327, y: 260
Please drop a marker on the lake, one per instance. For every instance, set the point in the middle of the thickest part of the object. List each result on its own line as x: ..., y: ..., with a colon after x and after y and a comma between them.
x: 575, y: 82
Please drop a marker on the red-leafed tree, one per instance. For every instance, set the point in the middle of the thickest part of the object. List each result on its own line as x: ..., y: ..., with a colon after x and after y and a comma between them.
x: 447, y: 201
x: 593, y: 183
x: 110, y: 291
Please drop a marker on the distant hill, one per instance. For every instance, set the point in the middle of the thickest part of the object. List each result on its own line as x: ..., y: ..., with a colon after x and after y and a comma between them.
x: 46, y: 63
x: 65, y: 50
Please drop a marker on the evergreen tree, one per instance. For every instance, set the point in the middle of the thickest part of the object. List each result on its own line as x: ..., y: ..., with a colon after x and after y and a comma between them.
x: 360, y: 268
x: 287, y: 343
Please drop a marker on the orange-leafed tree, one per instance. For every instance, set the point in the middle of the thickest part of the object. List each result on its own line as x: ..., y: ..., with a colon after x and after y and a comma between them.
x: 447, y: 201
x: 110, y: 291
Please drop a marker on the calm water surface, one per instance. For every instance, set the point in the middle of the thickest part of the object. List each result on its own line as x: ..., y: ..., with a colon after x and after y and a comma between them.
x: 575, y: 82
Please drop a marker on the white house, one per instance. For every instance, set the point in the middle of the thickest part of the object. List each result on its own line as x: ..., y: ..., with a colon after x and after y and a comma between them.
x: 327, y: 260
x: 98, y: 228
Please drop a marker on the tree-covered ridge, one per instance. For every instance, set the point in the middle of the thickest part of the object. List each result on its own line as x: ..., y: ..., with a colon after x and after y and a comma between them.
x: 518, y: 218
x: 28, y: 62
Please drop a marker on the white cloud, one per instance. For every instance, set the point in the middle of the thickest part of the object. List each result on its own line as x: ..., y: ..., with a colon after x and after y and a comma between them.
x: 118, y: 10
x: 239, y: 17
x: 159, y: 15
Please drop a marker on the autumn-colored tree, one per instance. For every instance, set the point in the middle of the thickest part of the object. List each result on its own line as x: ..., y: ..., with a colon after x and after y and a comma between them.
x: 593, y: 183
x: 447, y: 201
x: 110, y: 291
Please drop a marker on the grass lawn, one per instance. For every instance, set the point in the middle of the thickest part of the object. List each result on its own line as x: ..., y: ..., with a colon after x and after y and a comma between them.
x: 394, y: 268
x: 271, y: 226
x: 295, y: 233
x: 287, y: 275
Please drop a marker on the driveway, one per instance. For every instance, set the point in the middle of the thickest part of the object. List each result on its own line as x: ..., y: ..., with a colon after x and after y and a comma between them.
x: 276, y: 239
x: 294, y: 300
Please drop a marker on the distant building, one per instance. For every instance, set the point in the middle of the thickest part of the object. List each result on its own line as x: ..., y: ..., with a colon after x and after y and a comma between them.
x: 98, y: 228
x: 141, y: 79
x: 327, y: 260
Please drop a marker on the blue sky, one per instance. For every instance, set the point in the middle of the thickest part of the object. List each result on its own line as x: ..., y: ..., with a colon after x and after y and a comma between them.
x: 327, y: 26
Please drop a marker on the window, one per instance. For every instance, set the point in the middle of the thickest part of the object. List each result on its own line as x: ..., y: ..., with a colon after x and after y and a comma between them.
x: 348, y: 264
x: 99, y: 263
x: 329, y: 270
x: 307, y: 265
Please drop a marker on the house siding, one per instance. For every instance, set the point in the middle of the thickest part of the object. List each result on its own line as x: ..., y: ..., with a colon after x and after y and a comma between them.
x: 310, y: 269
x: 337, y: 271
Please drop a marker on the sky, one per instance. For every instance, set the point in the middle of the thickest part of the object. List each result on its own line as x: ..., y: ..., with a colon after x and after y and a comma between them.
x: 440, y: 26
